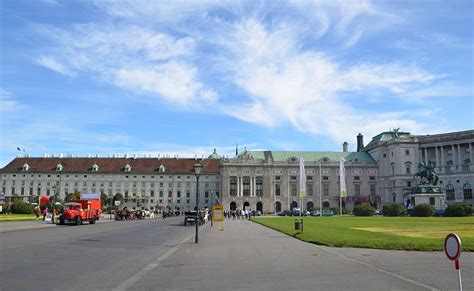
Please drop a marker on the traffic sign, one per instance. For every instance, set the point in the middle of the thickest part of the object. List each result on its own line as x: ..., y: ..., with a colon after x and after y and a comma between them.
x: 452, y: 246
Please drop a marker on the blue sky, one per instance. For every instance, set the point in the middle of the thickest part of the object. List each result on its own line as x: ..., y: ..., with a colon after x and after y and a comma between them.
x: 182, y: 77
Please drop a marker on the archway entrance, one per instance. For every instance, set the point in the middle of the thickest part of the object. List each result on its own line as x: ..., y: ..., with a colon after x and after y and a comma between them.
x: 246, y: 204
x: 278, y: 206
x: 326, y: 204
x: 260, y: 207
x: 233, y: 206
x: 309, y: 206
x: 294, y: 205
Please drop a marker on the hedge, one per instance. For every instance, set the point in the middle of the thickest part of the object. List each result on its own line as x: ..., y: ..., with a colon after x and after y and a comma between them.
x: 20, y: 207
x: 364, y: 210
x: 458, y: 210
x: 394, y: 210
x: 424, y: 210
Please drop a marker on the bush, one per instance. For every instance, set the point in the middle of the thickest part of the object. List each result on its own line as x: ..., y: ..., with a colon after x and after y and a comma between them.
x: 394, y: 210
x: 20, y: 207
x: 336, y: 210
x: 424, y: 210
x: 458, y: 210
x: 364, y: 210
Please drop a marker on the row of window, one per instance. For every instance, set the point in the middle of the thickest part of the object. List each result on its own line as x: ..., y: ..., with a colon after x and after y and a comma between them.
x: 111, y: 176
x: 467, y: 192
x: 110, y: 184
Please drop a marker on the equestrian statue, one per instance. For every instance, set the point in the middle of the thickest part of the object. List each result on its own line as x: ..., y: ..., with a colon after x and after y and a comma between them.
x: 427, y: 174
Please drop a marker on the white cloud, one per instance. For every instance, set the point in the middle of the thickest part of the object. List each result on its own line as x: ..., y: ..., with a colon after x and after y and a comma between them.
x: 305, y: 88
x: 52, y: 64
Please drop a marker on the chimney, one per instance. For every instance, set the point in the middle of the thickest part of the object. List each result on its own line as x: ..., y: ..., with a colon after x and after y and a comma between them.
x: 360, y: 142
x: 345, y: 147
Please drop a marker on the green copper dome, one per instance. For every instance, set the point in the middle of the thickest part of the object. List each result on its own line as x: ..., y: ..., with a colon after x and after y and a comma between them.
x: 214, y: 155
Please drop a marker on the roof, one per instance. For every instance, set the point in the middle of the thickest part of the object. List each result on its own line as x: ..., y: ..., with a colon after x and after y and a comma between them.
x: 111, y: 165
x: 389, y: 136
x: 279, y: 156
x: 214, y: 155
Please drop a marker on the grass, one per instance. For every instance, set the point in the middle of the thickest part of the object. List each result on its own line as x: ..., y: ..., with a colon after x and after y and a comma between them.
x: 17, y: 217
x: 390, y: 233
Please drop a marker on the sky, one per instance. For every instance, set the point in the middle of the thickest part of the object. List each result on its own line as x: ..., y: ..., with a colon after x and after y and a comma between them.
x: 183, y: 77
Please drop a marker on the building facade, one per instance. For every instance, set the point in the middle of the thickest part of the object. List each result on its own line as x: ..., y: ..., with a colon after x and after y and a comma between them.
x: 398, y: 153
x: 144, y: 182
x: 380, y: 173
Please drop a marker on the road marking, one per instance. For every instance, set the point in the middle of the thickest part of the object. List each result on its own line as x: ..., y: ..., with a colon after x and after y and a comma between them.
x: 380, y: 270
x: 133, y: 279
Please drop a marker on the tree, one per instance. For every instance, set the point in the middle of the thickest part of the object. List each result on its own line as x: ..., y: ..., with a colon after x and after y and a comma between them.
x: 119, y: 197
x: 73, y: 196
x: 104, y: 198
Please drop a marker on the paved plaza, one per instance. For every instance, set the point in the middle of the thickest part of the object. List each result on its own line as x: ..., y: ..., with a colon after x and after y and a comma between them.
x: 248, y: 256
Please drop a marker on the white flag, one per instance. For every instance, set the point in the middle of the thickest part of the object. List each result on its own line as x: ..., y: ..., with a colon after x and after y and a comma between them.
x: 342, y: 173
x: 302, y: 179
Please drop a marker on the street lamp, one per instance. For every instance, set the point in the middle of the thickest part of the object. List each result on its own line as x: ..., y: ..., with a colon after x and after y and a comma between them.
x: 197, y: 172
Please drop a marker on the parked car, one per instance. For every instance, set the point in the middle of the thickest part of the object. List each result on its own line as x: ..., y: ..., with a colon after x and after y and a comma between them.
x: 328, y: 213
x: 315, y: 213
x: 256, y: 213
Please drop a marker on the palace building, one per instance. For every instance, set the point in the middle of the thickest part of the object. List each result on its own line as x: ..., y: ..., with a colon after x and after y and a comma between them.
x: 379, y: 173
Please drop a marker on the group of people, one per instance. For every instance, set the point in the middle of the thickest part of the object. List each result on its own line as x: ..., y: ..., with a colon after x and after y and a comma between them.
x: 238, y: 214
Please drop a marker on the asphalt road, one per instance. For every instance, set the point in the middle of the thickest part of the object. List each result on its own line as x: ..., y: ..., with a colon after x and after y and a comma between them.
x: 100, y: 256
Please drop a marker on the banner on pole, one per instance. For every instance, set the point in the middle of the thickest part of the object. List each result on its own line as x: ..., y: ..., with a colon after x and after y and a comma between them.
x: 302, y: 179
x: 342, y: 173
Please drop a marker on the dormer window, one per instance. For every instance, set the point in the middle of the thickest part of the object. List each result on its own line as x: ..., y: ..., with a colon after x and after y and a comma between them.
x: 59, y: 168
x: 128, y: 168
x: 26, y: 167
x: 161, y: 169
x: 95, y: 168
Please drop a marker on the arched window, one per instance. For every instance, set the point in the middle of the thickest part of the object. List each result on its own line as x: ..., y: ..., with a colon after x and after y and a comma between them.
x: 278, y: 206
x: 233, y: 187
x: 26, y: 167
x: 467, y: 191
x: 394, y: 197
x: 246, y: 205
x: 259, y: 187
x: 326, y: 204
x: 294, y: 205
x: 233, y: 205
x: 59, y: 168
x: 260, y: 207
x: 161, y: 169
x: 246, y: 186
x: 128, y: 168
x: 450, y: 192
x: 95, y: 168
x: 309, y: 206
x: 408, y: 167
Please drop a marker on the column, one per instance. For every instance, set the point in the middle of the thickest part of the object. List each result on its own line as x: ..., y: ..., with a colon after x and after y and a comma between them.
x: 437, y: 157
x: 443, y: 165
x: 238, y: 186
x: 454, y: 157
x: 426, y: 155
x: 459, y: 157
x: 251, y: 186
x: 470, y: 155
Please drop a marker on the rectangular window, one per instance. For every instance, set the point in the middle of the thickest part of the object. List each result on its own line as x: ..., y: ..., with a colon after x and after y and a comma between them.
x: 277, y: 189
x: 357, y: 178
x: 372, y: 189
x: 325, y: 189
x: 188, y: 193
x: 293, y: 189
x: 277, y: 178
x: 325, y: 178
x: 357, y: 189
x: 170, y: 185
x: 432, y: 201
x: 409, y: 184
x: 170, y: 194
x: 161, y: 194
x: 178, y: 201
x: 188, y: 201
x: 372, y: 178
x: 309, y: 178
x: 293, y: 178
x: 152, y: 193
x: 309, y: 189
x: 206, y: 194
x: 161, y: 185
x: 178, y: 194
x: 408, y: 169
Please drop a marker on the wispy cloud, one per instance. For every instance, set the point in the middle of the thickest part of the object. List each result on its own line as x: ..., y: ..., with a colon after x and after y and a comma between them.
x: 52, y: 64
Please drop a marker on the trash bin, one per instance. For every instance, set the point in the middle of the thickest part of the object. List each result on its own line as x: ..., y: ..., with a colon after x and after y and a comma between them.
x: 297, y: 224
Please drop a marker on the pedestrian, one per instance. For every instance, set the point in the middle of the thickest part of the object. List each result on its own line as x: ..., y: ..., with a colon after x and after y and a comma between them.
x: 37, y: 212
x: 45, y: 212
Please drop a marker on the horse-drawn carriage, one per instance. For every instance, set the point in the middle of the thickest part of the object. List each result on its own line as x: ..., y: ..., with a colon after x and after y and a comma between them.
x: 190, y: 217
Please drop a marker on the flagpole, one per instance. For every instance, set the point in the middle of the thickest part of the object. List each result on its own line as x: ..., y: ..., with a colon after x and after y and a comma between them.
x: 320, y: 192
x: 288, y: 189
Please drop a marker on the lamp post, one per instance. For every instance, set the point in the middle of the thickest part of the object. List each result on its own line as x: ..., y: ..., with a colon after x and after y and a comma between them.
x: 197, y: 172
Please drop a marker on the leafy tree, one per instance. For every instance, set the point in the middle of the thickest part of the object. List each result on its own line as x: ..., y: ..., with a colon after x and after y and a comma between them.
x: 104, y: 198
x: 73, y: 196
x: 119, y: 197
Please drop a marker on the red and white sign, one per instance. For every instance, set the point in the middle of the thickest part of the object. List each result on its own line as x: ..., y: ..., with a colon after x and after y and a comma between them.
x: 452, y: 246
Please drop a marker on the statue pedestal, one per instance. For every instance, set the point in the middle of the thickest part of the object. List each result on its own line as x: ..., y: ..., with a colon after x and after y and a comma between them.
x: 427, y: 194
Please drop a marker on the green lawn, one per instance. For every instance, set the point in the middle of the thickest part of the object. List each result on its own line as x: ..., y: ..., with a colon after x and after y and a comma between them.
x: 17, y: 217
x: 391, y: 233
